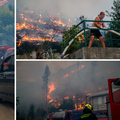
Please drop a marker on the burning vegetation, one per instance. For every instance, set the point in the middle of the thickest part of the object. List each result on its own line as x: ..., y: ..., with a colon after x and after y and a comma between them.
x: 37, y: 26
x: 78, y: 101
x: 74, y: 99
x: 37, y: 29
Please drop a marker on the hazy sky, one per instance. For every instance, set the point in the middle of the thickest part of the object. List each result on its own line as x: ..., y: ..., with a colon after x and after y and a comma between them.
x: 66, y: 76
x: 33, y: 69
x: 67, y: 8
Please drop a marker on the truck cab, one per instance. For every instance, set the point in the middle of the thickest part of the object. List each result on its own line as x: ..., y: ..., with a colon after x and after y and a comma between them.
x: 113, y: 100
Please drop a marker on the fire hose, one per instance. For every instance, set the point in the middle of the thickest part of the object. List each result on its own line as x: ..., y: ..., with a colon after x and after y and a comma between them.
x: 62, y: 56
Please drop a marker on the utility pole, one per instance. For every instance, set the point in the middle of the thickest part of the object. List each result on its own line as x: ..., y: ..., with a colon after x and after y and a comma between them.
x: 77, y: 101
x: 78, y: 81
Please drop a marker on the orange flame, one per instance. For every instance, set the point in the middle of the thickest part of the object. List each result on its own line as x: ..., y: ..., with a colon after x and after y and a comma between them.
x: 58, y: 22
x: 50, y: 101
x: 25, y: 38
x: 80, y: 67
x: 66, y: 97
x: 99, y: 88
x: 25, y: 25
x: 24, y: 15
x: 56, y: 104
x: 2, y: 2
x: 51, y: 88
x: 19, y: 43
x: 73, y: 97
x: 29, y: 12
x: 88, y: 94
x: 80, y: 107
x: 41, y: 21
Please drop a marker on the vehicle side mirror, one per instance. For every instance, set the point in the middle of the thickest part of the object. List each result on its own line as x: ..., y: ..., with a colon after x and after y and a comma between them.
x: 117, y: 82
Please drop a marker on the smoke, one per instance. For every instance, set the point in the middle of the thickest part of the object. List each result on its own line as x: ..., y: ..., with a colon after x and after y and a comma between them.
x: 48, y: 19
x: 89, y: 79
x: 66, y: 8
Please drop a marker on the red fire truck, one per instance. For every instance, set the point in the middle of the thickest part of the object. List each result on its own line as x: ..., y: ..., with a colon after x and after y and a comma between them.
x: 66, y: 115
x: 113, y: 101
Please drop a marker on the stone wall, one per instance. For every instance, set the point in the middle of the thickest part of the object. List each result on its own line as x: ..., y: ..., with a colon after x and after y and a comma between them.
x: 95, y: 53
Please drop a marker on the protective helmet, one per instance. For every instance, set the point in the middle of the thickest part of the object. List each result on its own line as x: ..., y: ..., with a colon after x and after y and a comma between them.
x: 89, y: 107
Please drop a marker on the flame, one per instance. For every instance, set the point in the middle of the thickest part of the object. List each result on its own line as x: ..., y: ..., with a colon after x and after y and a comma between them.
x: 50, y: 101
x: 19, y: 43
x: 29, y: 12
x: 80, y: 107
x: 56, y: 104
x: 41, y: 21
x: 2, y: 2
x: 25, y: 25
x: 26, y: 18
x: 51, y: 88
x: 21, y: 26
x: 66, y: 97
x: 110, y: 71
x: 57, y: 22
x: 88, y: 94
x: 99, y: 88
x: 69, y: 20
x: 54, y: 26
x: 26, y: 38
x: 80, y: 67
x: 73, y: 97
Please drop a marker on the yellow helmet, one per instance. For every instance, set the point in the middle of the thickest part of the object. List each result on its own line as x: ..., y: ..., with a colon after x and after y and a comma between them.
x: 89, y: 107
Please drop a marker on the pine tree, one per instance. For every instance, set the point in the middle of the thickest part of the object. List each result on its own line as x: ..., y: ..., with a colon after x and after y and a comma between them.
x: 31, y: 114
x: 45, y: 80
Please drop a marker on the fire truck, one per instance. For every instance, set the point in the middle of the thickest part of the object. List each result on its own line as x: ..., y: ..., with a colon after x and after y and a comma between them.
x: 112, y: 104
x: 113, y: 100
x: 66, y: 115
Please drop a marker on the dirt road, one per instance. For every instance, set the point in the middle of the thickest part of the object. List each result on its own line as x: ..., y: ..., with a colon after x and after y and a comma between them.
x: 6, y: 111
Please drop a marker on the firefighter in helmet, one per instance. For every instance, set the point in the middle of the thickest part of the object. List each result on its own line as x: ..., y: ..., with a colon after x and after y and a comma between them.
x: 88, y: 113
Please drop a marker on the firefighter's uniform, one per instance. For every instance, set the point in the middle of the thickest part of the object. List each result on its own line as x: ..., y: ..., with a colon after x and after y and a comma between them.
x: 88, y: 115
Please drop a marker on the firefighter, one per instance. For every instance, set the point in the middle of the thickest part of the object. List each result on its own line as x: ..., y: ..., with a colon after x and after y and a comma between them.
x: 88, y: 113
